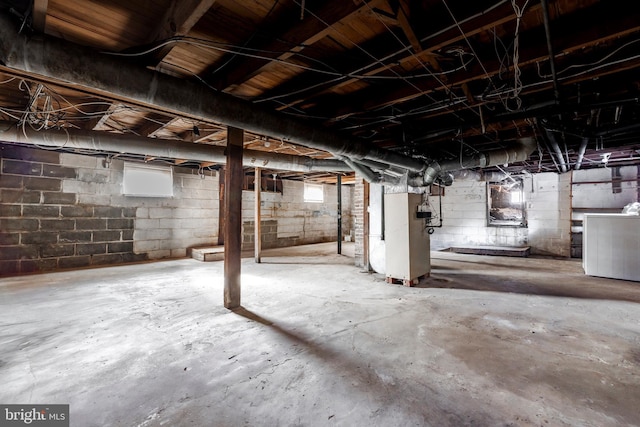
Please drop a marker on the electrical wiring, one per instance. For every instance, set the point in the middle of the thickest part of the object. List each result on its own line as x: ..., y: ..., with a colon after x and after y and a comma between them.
x: 249, y: 39
x: 517, y: 84
x: 588, y: 64
x: 386, y: 66
x: 464, y: 35
x: 8, y: 80
x: 413, y: 55
x: 331, y: 73
x: 502, y: 57
x: 372, y: 77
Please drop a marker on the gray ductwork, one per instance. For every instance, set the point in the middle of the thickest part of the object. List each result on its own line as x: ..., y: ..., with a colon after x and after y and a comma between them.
x: 553, y: 142
x: 131, y: 144
x: 365, y: 171
x: 438, y: 170
x: 581, y: 151
x: 116, y: 79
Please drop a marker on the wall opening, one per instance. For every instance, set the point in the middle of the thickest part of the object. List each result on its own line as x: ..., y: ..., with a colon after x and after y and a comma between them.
x: 505, y: 204
x: 313, y: 193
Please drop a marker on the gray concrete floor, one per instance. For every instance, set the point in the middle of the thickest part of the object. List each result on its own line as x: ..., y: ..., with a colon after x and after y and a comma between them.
x: 486, y: 341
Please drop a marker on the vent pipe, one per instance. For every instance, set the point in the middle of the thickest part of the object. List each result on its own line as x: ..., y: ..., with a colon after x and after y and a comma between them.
x: 130, y: 144
x: 439, y: 170
x: 113, y: 78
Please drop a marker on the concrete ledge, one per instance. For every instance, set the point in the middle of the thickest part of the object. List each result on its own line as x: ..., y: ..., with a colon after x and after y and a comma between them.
x: 516, y: 251
x: 208, y: 253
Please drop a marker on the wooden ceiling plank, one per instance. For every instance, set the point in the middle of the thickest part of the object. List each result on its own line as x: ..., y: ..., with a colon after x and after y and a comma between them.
x: 570, y: 41
x: 178, y: 20
x: 303, y: 34
x: 429, y: 44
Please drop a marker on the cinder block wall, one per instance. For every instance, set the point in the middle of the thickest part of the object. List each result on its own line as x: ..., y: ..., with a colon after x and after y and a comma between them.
x: 67, y: 211
x: 547, y: 197
x: 287, y: 220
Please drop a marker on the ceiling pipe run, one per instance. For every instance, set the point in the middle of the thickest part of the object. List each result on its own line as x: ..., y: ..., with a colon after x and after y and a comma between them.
x: 369, y: 175
x: 552, y: 61
x: 131, y: 144
x: 46, y: 58
x: 581, y: 151
x: 440, y: 170
x: 553, y: 142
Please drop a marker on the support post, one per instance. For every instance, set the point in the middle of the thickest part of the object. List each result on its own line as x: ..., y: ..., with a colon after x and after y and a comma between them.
x: 367, y: 265
x: 339, y: 190
x: 221, y: 206
x: 233, y: 215
x: 257, y: 190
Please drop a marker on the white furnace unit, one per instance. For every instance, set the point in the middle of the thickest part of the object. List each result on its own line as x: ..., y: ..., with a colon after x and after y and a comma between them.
x: 407, y: 244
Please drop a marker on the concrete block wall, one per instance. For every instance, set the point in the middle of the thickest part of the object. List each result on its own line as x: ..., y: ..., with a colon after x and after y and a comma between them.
x: 67, y: 211
x: 464, y: 208
x: 287, y: 220
x: 598, y: 191
x: 548, y: 202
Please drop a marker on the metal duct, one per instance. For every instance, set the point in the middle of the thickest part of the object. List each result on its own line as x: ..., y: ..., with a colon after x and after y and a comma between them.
x: 484, y: 159
x: 553, y: 142
x: 581, y: 151
x: 116, y: 143
x: 113, y: 78
x: 363, y: 170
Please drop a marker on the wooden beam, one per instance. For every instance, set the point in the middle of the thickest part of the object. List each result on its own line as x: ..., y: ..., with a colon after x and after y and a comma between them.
x: 150, y: 127
x: 40, y: 15
x: 179, y: 18
x: 257, y: 189
x: 99, y: 121
x: 234, y: 177
x: 300, y: 36
x: 339, y: 191
x: 404, y: 12
x: 567, y: 40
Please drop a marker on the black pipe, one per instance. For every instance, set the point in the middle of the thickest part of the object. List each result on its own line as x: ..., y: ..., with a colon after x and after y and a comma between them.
x: 552, y: 62
x: 556, y: 148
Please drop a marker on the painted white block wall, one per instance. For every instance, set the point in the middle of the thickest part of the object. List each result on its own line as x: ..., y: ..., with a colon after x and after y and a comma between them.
x: 297, y: 221
x: 464, y: 211
x: 165, y: 227
x: 601, y: 195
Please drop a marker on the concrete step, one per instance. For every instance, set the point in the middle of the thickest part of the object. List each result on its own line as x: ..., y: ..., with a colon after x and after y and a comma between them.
x: 516, y: 251
x: 208, y: 253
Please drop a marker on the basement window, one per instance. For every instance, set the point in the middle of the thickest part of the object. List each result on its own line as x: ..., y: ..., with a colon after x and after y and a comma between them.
x: 313, y: 193
x: 505, y: 204
x: 144, y: 180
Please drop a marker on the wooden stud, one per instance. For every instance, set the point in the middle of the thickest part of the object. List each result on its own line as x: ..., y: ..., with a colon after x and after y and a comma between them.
x: 257, y: 184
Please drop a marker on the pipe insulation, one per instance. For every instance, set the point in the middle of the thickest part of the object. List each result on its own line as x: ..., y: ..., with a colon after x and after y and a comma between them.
x: 46, y: 58
x: 131, y: 144
x: 439, y: 170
